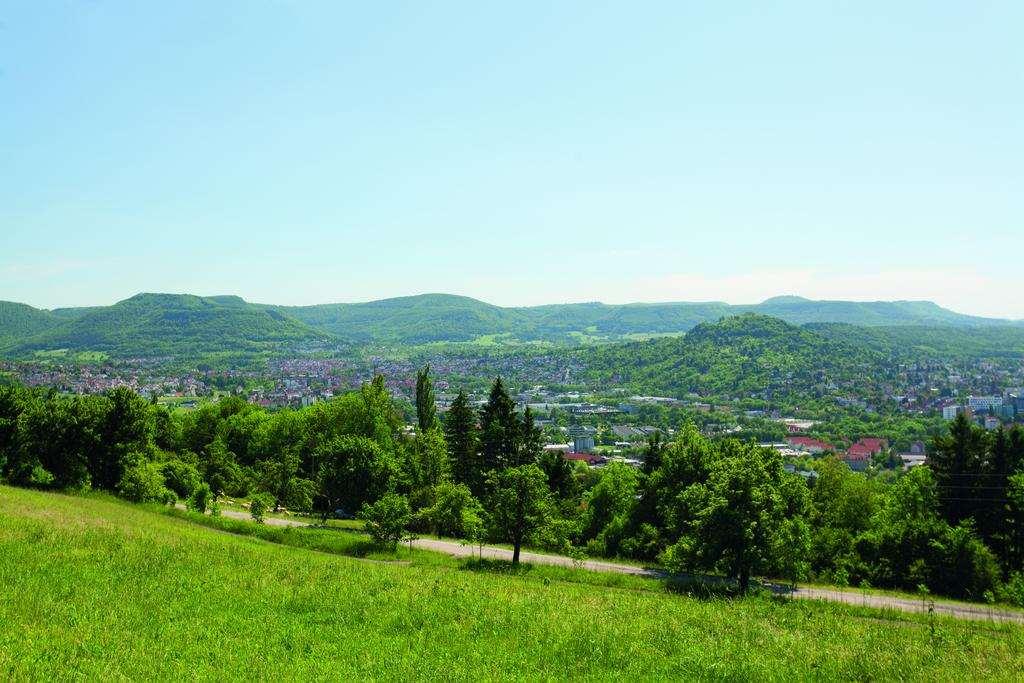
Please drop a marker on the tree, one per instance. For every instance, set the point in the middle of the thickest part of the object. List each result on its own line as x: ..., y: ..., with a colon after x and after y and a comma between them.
x: 500, y: 429
x: 461, y: 434
x: 181, y: 477
x: 220, y: 470
x: 519, y: 504
x: 455, y: 511
x: 429, y: 463
x: 200, y: 499
x: 259, y: 506
x: 613, y: 496
x: 387, y: 519
x: 128, y: 427
x: 958, y: 460
x: 559, y: 472
x: 426, y: 410
x: 529, y: 443
x: 738, y: 514
x: 353, y: 470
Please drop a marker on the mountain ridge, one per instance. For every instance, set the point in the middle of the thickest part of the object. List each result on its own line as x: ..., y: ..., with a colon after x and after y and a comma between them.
x: 149, y: 322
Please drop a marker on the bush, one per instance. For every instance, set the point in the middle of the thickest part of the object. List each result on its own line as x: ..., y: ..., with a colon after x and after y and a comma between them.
x: 1012, y: 591
x: 387, y: 519
x: 144, y: 483
x: 181, y: 477
x: 454, y: 511
x: 201, y: 499
x: 259, y: 505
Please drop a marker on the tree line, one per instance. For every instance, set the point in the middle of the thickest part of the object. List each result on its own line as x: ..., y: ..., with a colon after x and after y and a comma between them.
x: 955, y: 527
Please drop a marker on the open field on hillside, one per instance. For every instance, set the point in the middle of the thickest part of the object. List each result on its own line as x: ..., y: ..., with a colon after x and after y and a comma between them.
x: 101, y: 589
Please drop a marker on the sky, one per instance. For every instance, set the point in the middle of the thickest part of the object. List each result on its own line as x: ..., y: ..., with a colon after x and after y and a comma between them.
x: 520, y: 153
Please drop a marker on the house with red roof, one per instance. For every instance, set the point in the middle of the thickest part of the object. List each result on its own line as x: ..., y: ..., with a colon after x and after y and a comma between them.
x: 588, y: 458
x: 811, y: 445
x: 858, y: 456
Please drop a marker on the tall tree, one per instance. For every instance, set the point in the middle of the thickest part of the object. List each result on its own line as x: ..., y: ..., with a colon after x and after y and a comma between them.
x: 739, y: 512
x: 461, y: 434
x: 426, y: 411
x: 529, y: 443
x: 499, y: 429
x: 958, y: 462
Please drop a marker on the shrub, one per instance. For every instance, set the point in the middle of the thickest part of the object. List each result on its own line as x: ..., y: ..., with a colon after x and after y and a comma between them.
x: 201, y: 498
x: 144, y: 483
x: 181, y: 477
x: 454, y: 510
x: 259, y: 505
x: 387, y: 519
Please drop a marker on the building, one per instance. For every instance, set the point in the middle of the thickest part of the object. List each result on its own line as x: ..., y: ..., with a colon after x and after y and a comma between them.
x: 992, y: 422
x: 583, y: 444
x: 951, y: 411
x: 588, y: 458
x: 912, y: 460
x: 983, y: 404
x: 859, y: 455
x: 806, y: 443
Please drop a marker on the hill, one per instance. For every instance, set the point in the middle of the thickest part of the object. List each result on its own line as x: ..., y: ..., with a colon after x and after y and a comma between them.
x: 173, y: 325
x: 19, y: 321
x: 737, y: 357
x: 443, y: 317
x: 178, y: 324
x: 150, y: 596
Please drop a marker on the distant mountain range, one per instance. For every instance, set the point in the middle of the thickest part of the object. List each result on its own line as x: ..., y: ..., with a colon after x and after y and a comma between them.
x: 182, y: 324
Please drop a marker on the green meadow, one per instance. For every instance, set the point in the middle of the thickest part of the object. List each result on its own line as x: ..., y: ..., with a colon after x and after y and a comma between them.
x: 95, y: 588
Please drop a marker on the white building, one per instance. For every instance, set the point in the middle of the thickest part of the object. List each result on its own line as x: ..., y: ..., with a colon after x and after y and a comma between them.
x: 982, y: 404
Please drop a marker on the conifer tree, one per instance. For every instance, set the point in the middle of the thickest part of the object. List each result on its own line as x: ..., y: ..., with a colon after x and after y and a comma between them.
x: 499, y: 429
x: 463, y: 440
x: 426, y: 412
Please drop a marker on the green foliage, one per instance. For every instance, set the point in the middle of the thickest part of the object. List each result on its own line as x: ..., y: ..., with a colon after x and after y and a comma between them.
x: 387, y: 519
x: 181, y: 477
x: 519, y: 505
x: 426, y: 412
x: 260, y: 504
x: 354, y: 470
x: 201, y: 498
x: 462, y: 437
x: 171, y: 325
x: 455, y: 512
x: 738, y: 515
x: 144, y: 483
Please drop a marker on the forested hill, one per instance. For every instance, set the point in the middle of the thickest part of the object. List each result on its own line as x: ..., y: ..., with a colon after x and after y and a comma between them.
x: 148, y: 325
x: 736, y: 357
x: 443, y: 317
x: 178, y: 324
x: 19, y: 322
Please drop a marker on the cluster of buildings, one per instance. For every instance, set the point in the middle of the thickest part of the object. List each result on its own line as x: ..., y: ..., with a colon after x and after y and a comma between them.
x: 990, y: 411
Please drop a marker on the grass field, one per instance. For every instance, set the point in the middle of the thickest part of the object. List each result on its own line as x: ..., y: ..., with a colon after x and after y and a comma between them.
x: 95, y: 588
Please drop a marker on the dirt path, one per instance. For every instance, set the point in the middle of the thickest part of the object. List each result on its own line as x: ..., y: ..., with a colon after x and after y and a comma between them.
x: 456, y: 549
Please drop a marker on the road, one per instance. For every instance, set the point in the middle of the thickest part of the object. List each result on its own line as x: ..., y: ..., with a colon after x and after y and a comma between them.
x: 951, y: 609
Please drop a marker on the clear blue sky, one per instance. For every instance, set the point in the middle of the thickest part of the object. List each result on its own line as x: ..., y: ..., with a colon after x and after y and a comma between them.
x: 302, y: 152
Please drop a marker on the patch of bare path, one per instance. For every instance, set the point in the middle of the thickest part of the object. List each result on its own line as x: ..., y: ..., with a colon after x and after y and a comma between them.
x: 951, y: 609
x: 456, y: 549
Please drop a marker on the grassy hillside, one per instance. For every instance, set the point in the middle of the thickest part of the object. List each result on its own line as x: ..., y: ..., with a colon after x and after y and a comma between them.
x: 173, y: 324
x: 94, y: 588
